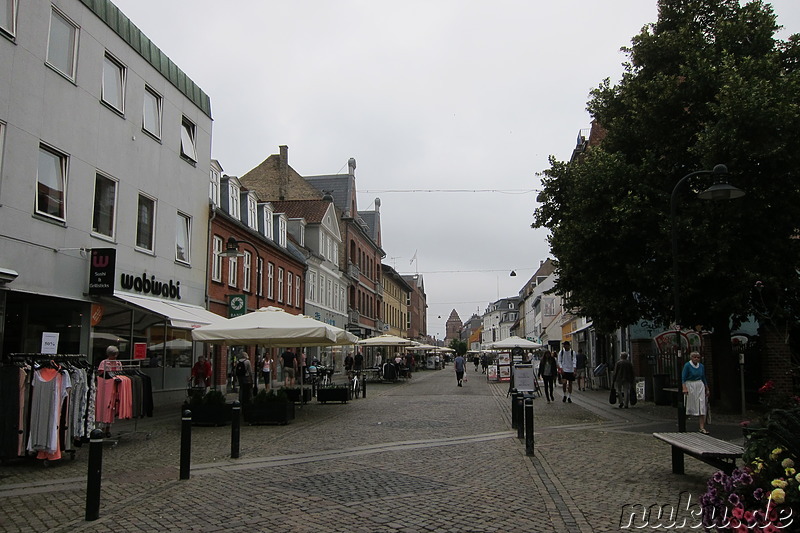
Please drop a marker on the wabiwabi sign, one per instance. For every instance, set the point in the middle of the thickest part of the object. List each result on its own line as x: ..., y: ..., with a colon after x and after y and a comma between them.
x: 103, y: 270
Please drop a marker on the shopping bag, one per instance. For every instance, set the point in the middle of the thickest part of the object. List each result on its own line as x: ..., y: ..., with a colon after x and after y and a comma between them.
x: 612, y: 396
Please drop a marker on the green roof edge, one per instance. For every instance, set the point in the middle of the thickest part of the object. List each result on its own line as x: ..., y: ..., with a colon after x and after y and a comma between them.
x: 131, y: 34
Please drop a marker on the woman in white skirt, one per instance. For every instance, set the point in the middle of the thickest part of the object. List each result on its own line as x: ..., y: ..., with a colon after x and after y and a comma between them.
x: 695, y: 389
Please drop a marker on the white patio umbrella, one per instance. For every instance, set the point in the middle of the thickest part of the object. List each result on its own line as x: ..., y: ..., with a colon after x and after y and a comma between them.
x: 273, y: 327
x: 386, y: 340
x: 174, y: 344
x: 423, y: 347
x: 513, y: 342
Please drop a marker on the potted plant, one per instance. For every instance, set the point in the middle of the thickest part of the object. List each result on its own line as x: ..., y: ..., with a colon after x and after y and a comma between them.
x: 333, y: 393
x: 209, y: 409
x: 271, y: 407
x: 293, y: 394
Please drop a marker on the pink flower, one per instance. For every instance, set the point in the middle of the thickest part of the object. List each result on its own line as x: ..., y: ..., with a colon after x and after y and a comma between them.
x: 766, y: 387
x: 738, y: 511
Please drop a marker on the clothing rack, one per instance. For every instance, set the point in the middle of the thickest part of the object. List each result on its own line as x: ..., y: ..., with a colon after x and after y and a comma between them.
x: 128, y: 366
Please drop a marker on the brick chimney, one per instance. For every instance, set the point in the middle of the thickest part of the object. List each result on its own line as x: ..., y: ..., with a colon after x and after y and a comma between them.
x: 283, y: 169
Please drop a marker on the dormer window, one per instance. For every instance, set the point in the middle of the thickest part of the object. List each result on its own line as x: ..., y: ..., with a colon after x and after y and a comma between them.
x: 213, y: 191
x: 251, y: 211
x: 234, y: 203
x: 282, y: 231
x: 269, y: 225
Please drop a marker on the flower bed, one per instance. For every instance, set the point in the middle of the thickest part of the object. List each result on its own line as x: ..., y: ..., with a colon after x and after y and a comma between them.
x: 333, y: 394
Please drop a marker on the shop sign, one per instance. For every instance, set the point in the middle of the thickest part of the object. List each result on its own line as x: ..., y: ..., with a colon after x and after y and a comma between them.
x: 101, y: 271
x: 139, y: 350
x: 49, y: 342
x: 145, y: 285
x: 237, y: 305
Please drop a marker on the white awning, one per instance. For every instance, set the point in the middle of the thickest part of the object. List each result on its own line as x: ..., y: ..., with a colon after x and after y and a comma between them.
x: 180, y: 315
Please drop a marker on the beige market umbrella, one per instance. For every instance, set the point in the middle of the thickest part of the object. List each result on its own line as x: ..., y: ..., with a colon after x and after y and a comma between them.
x: 386, y: 340
x: 273, y: 327
x: 513, y: 342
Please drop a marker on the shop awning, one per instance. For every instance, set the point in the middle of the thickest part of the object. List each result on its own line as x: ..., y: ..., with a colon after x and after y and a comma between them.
x: 179, y: 315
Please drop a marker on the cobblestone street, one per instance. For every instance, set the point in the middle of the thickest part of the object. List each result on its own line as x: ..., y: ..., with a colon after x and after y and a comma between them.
x: 422, y: 455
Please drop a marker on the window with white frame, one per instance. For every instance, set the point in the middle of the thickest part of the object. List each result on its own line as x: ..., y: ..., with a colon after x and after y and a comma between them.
x: 335, y: 296
x: 280, y: 284
x: 62, y: 45
x: 8, y: 16
x: 151, y: 116
x: 182, y: 238
x: 297, y: 286
x: 335, y: 257
x: 146, y: 223
x: 105, y: 204
x: 213, y: 187
x: 234, y: 202
x: 260, y: 276
x: 289, y: 287
x: 270, y: 281
x: 269, y: 229
x: 252, y: 221
x: 113, y: 91
x: 247, y: 260
x: 282, y: 231
x: 321, y: 299
x: 303, y: 235
x: 311, y: 287
x: 329, y: 296
x: 51, y: 183
x: 188, y: 139
x: 216, y: 261
x: 549, y: 306
x: 233, y: 271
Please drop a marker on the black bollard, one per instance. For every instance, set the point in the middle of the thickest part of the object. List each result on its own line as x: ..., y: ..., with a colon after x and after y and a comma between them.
x: 94, y: 475
x: 236, y: 424
x: 514, y: 409
x: 681, y: 414
x: 529, y: 426
x: 186, y: 444
x: 364, y: 387
x: 520, y: 403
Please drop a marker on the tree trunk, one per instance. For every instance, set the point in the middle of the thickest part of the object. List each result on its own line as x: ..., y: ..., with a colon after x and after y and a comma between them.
x: 725, y: 390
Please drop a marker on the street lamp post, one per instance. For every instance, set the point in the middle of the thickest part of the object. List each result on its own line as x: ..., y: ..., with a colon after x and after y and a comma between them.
x: 719, y: 191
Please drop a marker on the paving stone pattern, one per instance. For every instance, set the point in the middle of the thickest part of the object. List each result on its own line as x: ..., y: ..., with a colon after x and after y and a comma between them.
x: 417, y: 456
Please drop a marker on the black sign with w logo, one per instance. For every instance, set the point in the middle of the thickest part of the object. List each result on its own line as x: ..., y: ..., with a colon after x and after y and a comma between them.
x: 101, y: 271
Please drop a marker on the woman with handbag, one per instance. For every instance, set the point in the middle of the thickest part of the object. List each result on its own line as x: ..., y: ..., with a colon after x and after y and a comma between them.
x: 695, y: 389
x: 547, y: 371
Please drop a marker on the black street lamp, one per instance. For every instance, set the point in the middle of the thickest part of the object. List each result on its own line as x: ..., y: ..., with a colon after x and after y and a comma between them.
x: 721, y: 190
x: 232, y: 250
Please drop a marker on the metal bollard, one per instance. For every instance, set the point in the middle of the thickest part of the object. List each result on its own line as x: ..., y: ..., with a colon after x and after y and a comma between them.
x: 529, y: 426
x: 514, y: 409
x: 94, y: 475
x: 364, y: 387
x: 236, y: 425
x: 681, y: 414
x: 520, y: 403
x: 186, y: 444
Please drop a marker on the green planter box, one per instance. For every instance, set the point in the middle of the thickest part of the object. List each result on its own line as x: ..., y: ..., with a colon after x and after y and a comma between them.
x: 268, y: 413
x: 333, y: 394
x: 210, y: 415
x: 294, y: 395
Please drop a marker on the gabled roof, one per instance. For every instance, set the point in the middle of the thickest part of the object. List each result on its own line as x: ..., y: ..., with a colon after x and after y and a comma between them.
x: 341, y: 187
x: 313, y: 211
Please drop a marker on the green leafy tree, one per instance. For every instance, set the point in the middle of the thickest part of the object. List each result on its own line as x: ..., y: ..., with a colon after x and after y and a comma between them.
x: 707, y: 83
x: 459, y: 346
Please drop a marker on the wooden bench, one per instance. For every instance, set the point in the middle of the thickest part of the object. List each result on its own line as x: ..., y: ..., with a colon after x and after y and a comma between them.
x: 718, y: 453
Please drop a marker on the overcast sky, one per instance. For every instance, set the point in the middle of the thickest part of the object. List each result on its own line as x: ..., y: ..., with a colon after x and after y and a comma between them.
x: 427, y: 96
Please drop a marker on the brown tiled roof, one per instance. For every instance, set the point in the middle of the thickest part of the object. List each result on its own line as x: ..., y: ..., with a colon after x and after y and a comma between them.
x: 311, y: 210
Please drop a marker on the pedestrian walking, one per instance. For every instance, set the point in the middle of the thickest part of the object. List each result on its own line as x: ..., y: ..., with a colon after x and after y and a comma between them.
x: 460, y: 365
x: 580, y: 369
x: 477, y: 361
x: 623, y: 380
x: 566, y: 363
x: 695, y: 389
x: 244, y: 375
x: 266, y: 370
x: 289, y: 362
x: 547, y: 371
x: 484, y: 363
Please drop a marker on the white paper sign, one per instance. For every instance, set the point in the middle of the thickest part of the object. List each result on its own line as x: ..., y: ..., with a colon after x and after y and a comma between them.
x: 523, y: 378
x: 49, y: 343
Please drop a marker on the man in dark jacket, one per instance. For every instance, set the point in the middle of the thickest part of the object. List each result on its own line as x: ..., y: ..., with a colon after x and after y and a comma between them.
x: 623, y: 380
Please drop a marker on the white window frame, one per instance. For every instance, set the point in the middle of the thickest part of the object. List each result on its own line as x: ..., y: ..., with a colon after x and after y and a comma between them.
x: 234, y: 201
x: 113, y: 72
x: 252, y: 209
x: 159, y: 104
x: 289, y: 288
x: 188, y: 140
x: 280, y: 284
x: 247, y: 262
x: 71, y: 57
x: 260, y: 276
x: 321, y: 291
x: 216, y: 261
x: 233, y: 271
x: 213, y: 187
x: 269, y: 224
x: 297, y: 287
x: 271, y: 281
x: 53, y: 180
x: 282, y: 231
x: 101, y: 208
x: 9, y: 24
x: 311, y: 287
x: 152, y: 236
x: 303, y: 235
x: 183, y: 232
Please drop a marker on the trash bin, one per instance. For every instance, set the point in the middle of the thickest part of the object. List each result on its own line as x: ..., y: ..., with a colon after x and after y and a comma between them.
x: 660, y: 396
